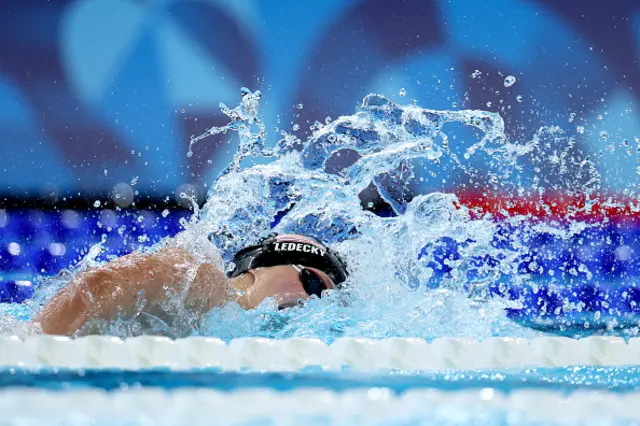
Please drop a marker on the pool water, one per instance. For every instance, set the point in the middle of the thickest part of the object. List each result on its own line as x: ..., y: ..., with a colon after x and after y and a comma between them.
x: 563, y: 379
x: 541, y: 396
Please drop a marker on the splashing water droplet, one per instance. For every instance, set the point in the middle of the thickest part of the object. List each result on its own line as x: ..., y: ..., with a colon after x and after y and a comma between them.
x: 476, y: 74
x: 403, y: 92
x: 580, y: 129
x: 300, y: 106
x: 509, y: 81
x: 97, y: 204
x: 296, y: 127
x: 165, y: 213
x: 519, y: 98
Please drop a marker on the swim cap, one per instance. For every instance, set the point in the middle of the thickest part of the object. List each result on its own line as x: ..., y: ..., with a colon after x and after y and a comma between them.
x: 290, y: 249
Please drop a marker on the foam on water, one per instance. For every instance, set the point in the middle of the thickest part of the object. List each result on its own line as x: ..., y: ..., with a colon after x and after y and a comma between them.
x: 314, y: 187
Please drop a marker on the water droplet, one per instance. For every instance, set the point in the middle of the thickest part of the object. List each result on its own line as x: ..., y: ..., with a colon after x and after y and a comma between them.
x: 300, y: 106
x: 476, y: 74
x: 572, y: 117
x: 106, y: 172
x: 134, y: 180
x: 190, y: 154
x: 600, y: 117
x: 454, y: 105
x: 623, y: 253
x: 519, y: 98
x: 604, y: 135
x: 296, y: 127
x: 14, y: 249
x: 580, y: 129
x: 509, y: 81
x: 403, y: 92
x: 488, y: 104
x: 97, y: 204
x: 165, y: 213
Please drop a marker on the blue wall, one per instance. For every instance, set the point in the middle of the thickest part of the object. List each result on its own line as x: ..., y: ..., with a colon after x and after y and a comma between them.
x: 98, y: 92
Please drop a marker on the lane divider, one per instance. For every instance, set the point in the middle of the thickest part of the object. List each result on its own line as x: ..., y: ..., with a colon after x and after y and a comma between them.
x: 314, y: 406
x: 297, y: 353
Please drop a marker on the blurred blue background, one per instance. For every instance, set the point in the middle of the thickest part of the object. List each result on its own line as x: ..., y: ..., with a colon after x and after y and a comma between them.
x: 99, y: 99
x: 100, y: 93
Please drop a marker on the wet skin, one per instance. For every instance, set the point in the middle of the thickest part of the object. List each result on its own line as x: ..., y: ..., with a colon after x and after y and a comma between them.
x: 148, y: 282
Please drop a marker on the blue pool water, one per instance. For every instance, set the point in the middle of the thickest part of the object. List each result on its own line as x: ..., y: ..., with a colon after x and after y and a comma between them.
x: 565, y: 379
x: 613, y: 283
x: 179, y: 387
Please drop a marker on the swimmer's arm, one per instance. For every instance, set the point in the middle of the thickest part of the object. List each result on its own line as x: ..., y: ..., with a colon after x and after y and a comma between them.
x: 117, y: 287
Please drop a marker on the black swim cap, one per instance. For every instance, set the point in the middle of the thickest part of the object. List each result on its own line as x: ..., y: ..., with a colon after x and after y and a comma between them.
x: 290, y: 250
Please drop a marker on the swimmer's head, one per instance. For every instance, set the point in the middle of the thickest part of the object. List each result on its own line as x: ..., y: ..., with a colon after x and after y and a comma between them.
x: 290, y: 267
x: 283, y: 283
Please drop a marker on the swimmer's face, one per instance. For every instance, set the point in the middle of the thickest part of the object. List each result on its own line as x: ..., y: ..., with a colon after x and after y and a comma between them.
x: 280, y: 282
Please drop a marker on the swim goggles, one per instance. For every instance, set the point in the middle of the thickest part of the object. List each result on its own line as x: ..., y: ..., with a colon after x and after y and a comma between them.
x: 312, y: 282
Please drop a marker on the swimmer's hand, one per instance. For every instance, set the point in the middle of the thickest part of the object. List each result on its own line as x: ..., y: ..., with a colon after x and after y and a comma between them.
x: 132, y: 283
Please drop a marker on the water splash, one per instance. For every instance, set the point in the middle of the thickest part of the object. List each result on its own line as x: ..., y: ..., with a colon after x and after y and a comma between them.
x: 430, y: 269
x: 243, y: 118
x: 509, y: 81
x: 393, y: 261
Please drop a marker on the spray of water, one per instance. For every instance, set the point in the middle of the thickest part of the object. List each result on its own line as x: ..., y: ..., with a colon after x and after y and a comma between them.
x: 394, y: 261
x: 397, y: 285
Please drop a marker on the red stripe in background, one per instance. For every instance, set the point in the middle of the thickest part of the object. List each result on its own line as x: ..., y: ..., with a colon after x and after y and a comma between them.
x: 552, y: 206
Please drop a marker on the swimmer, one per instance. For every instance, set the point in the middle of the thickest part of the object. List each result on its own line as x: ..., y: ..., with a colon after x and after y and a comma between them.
x: 288, y: 268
